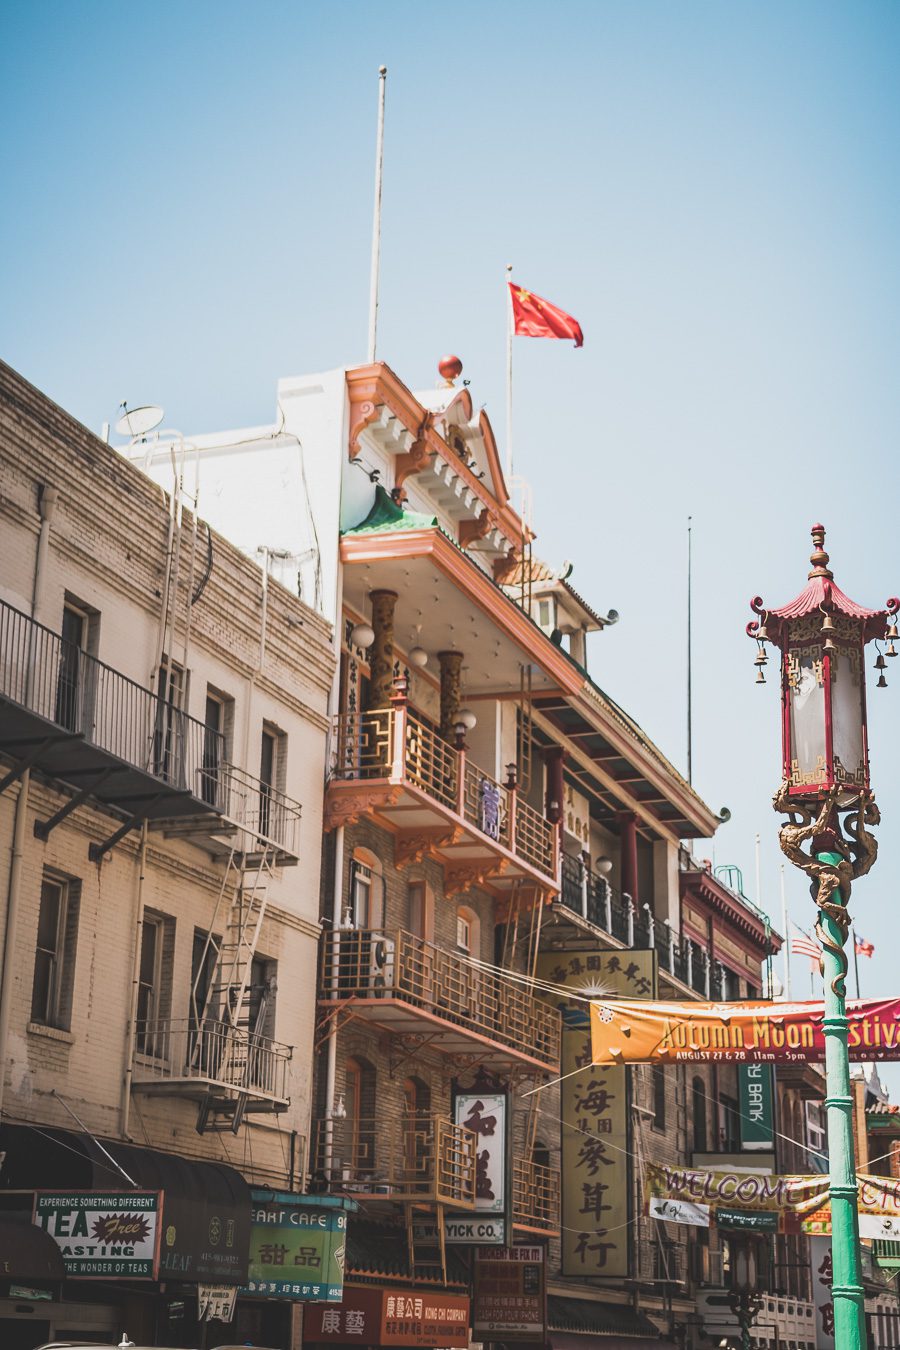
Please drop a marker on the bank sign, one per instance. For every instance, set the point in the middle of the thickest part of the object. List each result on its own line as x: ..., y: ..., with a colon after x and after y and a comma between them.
x: 757, y: 1116
x: 296, y: 1250
x: 103, y: 1234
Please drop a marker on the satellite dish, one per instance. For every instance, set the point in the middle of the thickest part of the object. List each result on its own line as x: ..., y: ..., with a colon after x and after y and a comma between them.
x: 138, y: 421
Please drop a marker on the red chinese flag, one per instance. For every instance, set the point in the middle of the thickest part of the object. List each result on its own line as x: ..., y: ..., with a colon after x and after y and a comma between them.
x: 534, y: 317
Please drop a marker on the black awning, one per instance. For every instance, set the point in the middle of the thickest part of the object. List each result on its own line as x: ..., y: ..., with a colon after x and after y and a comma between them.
x: 569, y: 1320
x: 206, y: 1206
x: 28, y: 1253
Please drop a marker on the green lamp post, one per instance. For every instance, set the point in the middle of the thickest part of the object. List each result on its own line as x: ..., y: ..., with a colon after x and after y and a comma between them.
x: 826, y: 796
x: 744, y: 1295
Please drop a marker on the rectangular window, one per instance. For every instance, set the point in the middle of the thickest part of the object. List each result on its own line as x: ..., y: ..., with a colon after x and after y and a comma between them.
x: 463, y: 933
x: 168, y: 737
x: 729, y: 1124
x: 272, y: 777
x: 54, y: 958
x: 154, y: 993
x: 659, y: 1096
x: 360, y: 894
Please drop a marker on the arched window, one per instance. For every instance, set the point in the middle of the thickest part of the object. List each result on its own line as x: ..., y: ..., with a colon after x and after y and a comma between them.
x: 468, y: 931
x: 366, y: 897
x: 356, y: 1137
x: 698, y: 1113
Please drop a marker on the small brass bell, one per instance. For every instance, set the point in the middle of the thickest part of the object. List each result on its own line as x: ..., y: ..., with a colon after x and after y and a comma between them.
x: 827, y: 624
x: 761, y: 679
x: 892, y: 629
x: 880, y: 663
x: 761, y: 634
x: 890, y: 650
x: 828, y: 646
x: 882, y: 682
x: 761, y: 658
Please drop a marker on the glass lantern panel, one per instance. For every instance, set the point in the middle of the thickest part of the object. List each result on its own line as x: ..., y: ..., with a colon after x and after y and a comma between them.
x: 847, y: 716
x: 807, y: 716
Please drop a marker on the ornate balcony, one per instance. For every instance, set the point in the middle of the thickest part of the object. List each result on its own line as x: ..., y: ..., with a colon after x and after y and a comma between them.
x: 426, y: 1159
x: 173, y: 1057
x: 412, y: 988
x: 391, y: 765
x: 536, y: 1197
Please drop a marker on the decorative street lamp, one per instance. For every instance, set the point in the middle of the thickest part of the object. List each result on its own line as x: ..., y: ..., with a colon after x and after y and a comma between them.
x: 743, y: 1294
x: 822, y: 636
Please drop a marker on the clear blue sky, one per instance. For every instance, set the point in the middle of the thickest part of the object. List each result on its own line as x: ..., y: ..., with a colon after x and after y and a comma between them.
x: 711, y: 189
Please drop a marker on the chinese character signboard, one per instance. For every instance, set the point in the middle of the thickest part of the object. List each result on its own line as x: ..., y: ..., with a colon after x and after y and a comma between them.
x: 391, y: 1317
x: 215, y: 1302
x: 484, y: 1113
x: 296, y: 1249
x: 594, y: 1110
x: 757, y: 1116
x: 103, y: 1234
x: 820, y: 1265
x: 510, y: 1301
x: 627, y: 1032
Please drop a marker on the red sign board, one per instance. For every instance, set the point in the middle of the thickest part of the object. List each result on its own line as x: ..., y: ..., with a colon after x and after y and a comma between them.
x: 406, y: 1317
x: 510, y: 1295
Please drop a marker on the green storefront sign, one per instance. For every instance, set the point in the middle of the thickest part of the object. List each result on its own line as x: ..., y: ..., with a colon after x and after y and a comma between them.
x: 757, y: 1114
x: 759, y: 1221
x: 296, y: 1248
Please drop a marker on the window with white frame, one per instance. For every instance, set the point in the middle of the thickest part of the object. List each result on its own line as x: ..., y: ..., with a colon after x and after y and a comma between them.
x: 154, y: 990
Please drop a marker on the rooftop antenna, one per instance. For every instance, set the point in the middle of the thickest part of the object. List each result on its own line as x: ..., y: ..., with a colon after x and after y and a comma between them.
x: 137, y: 422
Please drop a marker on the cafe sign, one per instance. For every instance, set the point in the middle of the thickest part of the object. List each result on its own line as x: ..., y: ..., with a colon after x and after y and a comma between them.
x: 401, y: 1317
x: 296, y: 1250
x: 103, y: 1234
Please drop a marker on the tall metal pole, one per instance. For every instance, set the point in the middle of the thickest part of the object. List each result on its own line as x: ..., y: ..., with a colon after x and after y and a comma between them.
x: 376, y: 223
x: 787, y: 938
x: 509, y: 351
x: 689, y: 663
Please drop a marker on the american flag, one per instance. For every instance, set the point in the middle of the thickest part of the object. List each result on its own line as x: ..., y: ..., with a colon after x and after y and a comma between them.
x: 863, y: 948
x: 802, y: 945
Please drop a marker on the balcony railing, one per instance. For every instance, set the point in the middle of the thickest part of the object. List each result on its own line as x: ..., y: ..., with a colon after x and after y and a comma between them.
x: 261, y: 811
x: 392, y: 743
x: 366, y: 964
x: 536, y: 1195
x: 425, y: 1158
x: 591, y: 896
x: 65, y: 686
x: 180, y: 1054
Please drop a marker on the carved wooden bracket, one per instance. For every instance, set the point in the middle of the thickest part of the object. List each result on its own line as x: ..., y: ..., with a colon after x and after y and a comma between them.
x: 505, y: 567
x: 461, y: 877
x: 345, y: 808
x: 477, y: 528
x: 411, y: 846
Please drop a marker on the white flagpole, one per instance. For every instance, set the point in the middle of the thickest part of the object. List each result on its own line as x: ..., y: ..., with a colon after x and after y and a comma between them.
x: 787, y: 938
x: 509, y: 350
x: 376, y: 224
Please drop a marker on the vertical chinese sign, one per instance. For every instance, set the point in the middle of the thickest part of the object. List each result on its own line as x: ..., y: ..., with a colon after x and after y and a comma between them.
x: 296, y: 1249
x: 596, y: 1173
x: 820, y: 1263
x: 757, y: 1112
x: 485, y: 1114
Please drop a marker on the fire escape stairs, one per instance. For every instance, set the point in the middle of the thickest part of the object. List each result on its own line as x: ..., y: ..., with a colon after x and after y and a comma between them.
x: 427, y: 1248
x: 230, y: 1001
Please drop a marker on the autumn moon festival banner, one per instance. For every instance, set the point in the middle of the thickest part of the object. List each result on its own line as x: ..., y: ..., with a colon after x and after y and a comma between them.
x: 630, y: 1032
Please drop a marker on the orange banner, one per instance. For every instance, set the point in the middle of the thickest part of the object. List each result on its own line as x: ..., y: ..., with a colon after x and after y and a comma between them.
x: 630, y: 1032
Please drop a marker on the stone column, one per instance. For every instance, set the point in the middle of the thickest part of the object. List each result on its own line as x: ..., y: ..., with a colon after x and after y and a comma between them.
x: 451, y: 668
x: 381, y: 653
x: 629, y: 865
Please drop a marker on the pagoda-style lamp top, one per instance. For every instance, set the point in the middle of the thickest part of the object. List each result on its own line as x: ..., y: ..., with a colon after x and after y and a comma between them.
x: 822, y: 635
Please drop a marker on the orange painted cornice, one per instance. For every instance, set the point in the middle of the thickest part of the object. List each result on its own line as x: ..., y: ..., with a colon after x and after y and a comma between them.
x: 374, y: 386
x: 468, y: 577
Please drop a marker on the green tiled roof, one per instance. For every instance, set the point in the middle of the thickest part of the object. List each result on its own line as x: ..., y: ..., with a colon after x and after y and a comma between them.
x: 386, y: 517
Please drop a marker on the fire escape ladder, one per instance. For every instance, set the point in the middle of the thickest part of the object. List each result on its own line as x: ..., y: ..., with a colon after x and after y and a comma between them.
x: 427, y: 1247
x: 231, y: 1010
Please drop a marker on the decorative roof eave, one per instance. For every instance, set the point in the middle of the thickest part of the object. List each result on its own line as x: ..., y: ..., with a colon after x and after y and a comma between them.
x: 820, y: 593
x: 625, y: 735
x: 459, y: 568
x: 704, y: 884
x: 373, y: 387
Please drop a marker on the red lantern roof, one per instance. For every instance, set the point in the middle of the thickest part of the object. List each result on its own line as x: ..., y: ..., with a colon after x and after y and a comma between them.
x: 820, y: 593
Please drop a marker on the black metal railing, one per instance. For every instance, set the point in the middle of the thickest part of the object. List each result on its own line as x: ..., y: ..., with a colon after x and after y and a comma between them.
x: 61, y: 683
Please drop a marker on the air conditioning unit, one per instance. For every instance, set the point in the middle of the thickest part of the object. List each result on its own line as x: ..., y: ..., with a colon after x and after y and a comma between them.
x: 381, y: 964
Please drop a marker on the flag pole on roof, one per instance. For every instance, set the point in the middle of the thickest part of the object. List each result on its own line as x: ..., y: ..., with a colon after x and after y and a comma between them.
x: 376, y: 222
x: 510, y: 326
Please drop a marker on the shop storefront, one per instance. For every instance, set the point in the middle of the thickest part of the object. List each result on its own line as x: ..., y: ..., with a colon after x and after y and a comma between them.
x: 390, y: 1316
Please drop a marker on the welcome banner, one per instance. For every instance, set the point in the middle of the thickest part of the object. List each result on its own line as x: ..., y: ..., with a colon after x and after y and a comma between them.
x: 631, y: 1032
x: 801, y: 1203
